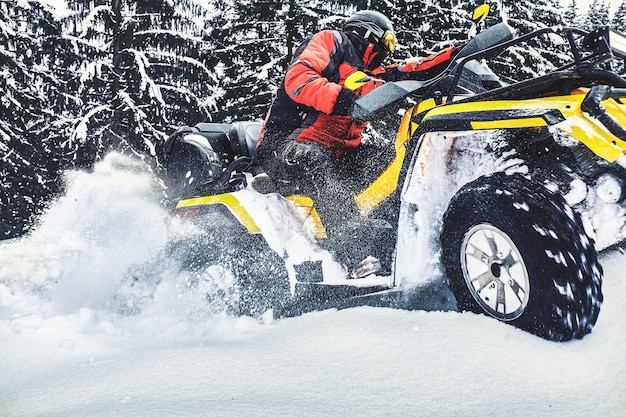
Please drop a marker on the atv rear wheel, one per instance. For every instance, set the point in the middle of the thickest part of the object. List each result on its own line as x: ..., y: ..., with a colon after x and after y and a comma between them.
x: 257, y: 275
x: 261, y: 277
x: 514, y: 250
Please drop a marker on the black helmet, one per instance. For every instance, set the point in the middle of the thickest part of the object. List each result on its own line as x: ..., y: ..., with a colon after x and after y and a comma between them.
x: 374, y: 27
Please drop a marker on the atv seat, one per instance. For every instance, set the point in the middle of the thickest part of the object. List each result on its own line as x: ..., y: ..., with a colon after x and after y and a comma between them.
x: 207, y: 154
x: 230, y: 141
x: 243, y: 136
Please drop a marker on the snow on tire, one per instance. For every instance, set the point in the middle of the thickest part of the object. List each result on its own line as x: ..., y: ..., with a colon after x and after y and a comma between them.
x: 516, y: 251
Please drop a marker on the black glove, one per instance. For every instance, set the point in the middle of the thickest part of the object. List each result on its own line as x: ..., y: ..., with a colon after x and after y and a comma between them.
x: 345, y: 102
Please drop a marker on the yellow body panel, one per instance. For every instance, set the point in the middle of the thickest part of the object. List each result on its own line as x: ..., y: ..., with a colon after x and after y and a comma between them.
x: 241, y: 214
x: 387, y: 183
x: 581, y: 126
x: 509, y: 124
x: 230, y: 201
x: 306, y: 203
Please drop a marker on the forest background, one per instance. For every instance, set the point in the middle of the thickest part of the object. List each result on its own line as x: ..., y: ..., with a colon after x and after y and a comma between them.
x: 79, y: 79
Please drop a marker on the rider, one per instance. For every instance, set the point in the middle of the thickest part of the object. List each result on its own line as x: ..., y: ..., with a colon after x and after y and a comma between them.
x: 309, y: 140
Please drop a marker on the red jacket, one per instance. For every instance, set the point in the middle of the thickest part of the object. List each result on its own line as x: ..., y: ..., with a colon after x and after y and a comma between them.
x: 312, y: 104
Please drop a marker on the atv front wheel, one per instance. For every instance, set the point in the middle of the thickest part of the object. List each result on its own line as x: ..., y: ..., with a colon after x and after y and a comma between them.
x: 515, y: 251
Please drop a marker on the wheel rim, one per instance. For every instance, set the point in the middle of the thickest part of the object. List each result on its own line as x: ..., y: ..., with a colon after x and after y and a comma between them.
x: 495, y: 272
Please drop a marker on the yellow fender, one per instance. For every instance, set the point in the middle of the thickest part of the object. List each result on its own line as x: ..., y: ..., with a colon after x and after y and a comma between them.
x: 574, y: 121
x: 306, y: 204
x: 387, y: 183
x: 230, y: 201
x: 241, y: 214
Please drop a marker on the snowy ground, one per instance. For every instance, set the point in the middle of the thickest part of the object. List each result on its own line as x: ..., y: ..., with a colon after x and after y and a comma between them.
x: 78, y: 337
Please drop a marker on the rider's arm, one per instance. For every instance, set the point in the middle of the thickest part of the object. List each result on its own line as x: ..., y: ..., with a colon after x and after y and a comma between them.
x: 305, y: 83
x: 422, y: 69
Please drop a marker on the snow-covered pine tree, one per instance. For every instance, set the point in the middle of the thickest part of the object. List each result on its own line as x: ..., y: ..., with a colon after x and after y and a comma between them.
x: 111, y: 74
x: 425, y: 27
x: 307, y: 17
x: 571, y: 16
x: 538, y: 55
x: 596, y: 16
x: 619, y: 20
x: 619, y: 24
x: 172, y: 40
x: 31, y: 101
x: 149, y: 71
x: 89, y: 29
x: 250, y: 47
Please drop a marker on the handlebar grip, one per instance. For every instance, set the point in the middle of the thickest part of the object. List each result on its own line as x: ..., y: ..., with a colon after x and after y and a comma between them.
x: 592, y: 104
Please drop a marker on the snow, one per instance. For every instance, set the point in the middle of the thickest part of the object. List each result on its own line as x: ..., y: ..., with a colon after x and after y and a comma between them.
x: 583, y: 5
x: 96, y: 320
x: 58, y: 8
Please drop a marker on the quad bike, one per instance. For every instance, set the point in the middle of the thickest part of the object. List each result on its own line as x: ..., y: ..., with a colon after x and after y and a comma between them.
x: 494, y: 200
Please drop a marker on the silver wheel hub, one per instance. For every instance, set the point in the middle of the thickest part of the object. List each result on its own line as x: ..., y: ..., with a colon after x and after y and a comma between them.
x: 495, y: 272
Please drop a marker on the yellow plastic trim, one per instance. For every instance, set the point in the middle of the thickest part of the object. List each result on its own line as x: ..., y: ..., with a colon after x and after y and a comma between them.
x: 581, y: 126
x: 509, y: 123
x: 230, y: 201
x: 387, y: 183
x: 425, y: 105
x: 306, y: 203
x: 499, y: 105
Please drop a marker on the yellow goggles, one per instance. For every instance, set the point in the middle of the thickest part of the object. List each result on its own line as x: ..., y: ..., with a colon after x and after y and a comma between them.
x: 389, y: 41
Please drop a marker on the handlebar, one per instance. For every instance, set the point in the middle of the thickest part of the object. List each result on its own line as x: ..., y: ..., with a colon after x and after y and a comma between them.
x: 592, y: 104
